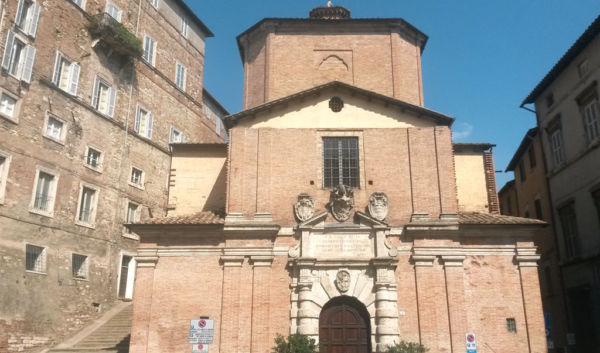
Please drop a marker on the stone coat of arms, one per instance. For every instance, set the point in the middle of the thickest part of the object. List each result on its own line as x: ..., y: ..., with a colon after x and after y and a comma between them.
x: 341, y: 202
x: 304, y: 208
x: 378, y: 205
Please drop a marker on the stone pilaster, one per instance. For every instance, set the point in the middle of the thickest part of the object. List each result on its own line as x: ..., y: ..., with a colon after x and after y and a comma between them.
x: 386, y: 304
x: 455, y: 291
x: 146, y: 261
x: 260, y: 302
x: 308, y: 312
x: 231, y: 302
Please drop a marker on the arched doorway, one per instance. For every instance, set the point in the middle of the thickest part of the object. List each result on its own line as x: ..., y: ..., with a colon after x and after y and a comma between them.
x: 344, y: 327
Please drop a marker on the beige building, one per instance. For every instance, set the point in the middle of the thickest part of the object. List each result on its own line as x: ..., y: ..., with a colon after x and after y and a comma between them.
x: 333, y: 211
x: 568, y: 118
x: 92, y: 94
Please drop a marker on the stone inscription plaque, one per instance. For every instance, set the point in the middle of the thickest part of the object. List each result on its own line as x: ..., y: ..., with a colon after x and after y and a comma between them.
x: 337, y: 246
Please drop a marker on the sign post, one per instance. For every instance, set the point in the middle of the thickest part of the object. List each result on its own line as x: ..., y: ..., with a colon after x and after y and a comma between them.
x: 471, y: 343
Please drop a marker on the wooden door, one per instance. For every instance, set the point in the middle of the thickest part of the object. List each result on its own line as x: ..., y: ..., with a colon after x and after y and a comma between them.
x: 342, y: 329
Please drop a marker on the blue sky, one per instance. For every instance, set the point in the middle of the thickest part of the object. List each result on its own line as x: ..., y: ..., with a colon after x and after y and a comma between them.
x: 482, y: 59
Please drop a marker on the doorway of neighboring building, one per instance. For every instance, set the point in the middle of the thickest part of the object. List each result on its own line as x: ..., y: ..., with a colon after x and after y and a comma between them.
x: 126, y: 277
x: 583, y: 318
x: 344, y: 327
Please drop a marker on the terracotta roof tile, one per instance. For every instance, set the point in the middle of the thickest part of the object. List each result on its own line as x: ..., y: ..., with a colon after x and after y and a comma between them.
x: 491, y: 218
x: 208, y: 217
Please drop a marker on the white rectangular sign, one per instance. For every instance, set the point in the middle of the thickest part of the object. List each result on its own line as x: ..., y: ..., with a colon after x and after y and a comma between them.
x: 202, y: 331
x: 199, y: 348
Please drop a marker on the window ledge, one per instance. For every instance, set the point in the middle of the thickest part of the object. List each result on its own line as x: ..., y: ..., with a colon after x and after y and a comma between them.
x: 49, y: 214
x: 86, y: 225
x: 137, y: 186
x: 81, y: 279
x: 131, y: 236
x: 36, y: 272
x: 60, y: 142
x: 95, y: 169
x: 13, y: 120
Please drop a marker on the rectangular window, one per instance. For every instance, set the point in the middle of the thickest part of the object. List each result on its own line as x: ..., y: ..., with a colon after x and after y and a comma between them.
x: 18, y: 58
x: 522, y: 172
x: 149, y: 50
x: 180, y: 73
x: 511, y: 325
x: 568, y: 222
x: 104, y: 97
x: 132, y: 213
x: 55, y: 129
x: 556, y: 146
x: 590, y: 113
x: 538, y: 209
x: 154, y: 3
x: 35, y: 258
x: 143, y: 122
x: 8, y: 105
x: 532, y: 161
x: 137, y: 177
x: 66, y: 74
x: 4, y: 162
x: 79, y: 266
x: 184, y: 27
x: 340, y: 162
x: 176, y: 136
x: 113, y: 11
x: 28, y: 15
x: 87, y: 205
x: 93, y: 158
x: 44, y: 192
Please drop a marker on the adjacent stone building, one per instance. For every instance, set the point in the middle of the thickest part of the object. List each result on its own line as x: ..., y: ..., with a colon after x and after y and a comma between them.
x: 92, y: 94
x: 332, y: 211
x: 528, y: 196
x: 568, y: 123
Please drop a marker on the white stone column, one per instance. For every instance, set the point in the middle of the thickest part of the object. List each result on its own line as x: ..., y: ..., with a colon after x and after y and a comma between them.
x: 386, y: 304
x: 308, y: 312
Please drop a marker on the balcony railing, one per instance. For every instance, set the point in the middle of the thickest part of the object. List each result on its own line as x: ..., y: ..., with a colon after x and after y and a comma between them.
x: 113, y: 33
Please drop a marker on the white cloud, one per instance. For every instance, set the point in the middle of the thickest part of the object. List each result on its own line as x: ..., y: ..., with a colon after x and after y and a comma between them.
x: 461, y: 131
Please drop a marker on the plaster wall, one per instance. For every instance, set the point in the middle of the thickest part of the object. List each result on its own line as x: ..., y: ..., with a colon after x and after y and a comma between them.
x: 470, y: 182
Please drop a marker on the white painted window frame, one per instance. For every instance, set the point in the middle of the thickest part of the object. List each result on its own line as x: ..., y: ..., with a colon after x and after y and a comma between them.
x: 180, y: 85
x: 26, y: 60
x: 4, y: 168
x: 51, y: 193
x: 130, y: 274
x: 17, y: 110
x: 172, y: 132
x: 149, y: 124
x: 63, y: 133
x: 150, y: 60
x: 142, y: 182
x: 32, y: 17
x: 73, y: 77
x: 100, y: 167
x: 111, y: 99
x: 92, y: 222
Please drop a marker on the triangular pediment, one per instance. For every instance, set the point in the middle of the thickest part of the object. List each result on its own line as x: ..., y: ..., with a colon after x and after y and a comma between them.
x: 356, y: 108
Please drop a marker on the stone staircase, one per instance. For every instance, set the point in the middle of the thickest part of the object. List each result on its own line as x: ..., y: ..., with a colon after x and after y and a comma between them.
x: 110, y: 335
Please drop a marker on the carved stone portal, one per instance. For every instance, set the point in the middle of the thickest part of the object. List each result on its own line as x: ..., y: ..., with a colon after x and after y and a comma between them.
x: 341, y: 202
x: 342, y: 281
x: 304, y: 208
x: 378, y: 205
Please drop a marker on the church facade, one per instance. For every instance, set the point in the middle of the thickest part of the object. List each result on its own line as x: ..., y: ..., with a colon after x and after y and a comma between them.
x: 339, y: 209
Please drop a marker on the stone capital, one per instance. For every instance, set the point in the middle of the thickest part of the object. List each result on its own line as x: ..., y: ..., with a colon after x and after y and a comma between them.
x: 146, y: 257
x: 423, y: 260
x: 261, y: 261
x: 232, y: 261
x: 453, y: 260
x: 527, y: 260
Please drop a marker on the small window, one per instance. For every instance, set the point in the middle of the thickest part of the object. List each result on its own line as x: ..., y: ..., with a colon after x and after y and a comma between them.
x: 511, y: 325
x: 93, y: 158
x: 556, y: 146
x: 180, y: 76
x: 35, y: 258
x: 143, y: 122
x: 80, y: 3
x: 66, y: 74
x: 79, y: 265
x: 570, y: 233
x: 149, y: 50
x: 340, y: 162
x: 28, y: 15
x: 590, y: 113
x: 113, y: 11
x: 87, y: 206
x: 522, y: 172
x: 538, y: 209
x: 4, y: 162
x: 549, y: 100
x: 154, y: 3
x: 176, y: 136
x: 137, y: 177
x: 44, y: 193
x: 184, y: 27
x: 104, y: 97
x: 55, y: 129
x: 18, y: 58
x: 132, y: 213
x: 532, y: 160
x: 8, y: 106
x: 583, y: 68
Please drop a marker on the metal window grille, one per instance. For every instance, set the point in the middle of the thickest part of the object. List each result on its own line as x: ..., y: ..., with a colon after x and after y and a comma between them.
x: 511, y: 325
x: 79, y: 266
x: 35, y: 258
x: 340, y: 162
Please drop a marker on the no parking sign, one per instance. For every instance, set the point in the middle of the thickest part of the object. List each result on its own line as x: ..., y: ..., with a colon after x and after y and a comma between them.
x: 471, y: 343
x: 199, y: 348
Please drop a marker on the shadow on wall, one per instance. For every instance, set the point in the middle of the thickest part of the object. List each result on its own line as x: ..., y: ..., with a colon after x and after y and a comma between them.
x: 216, y: 199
